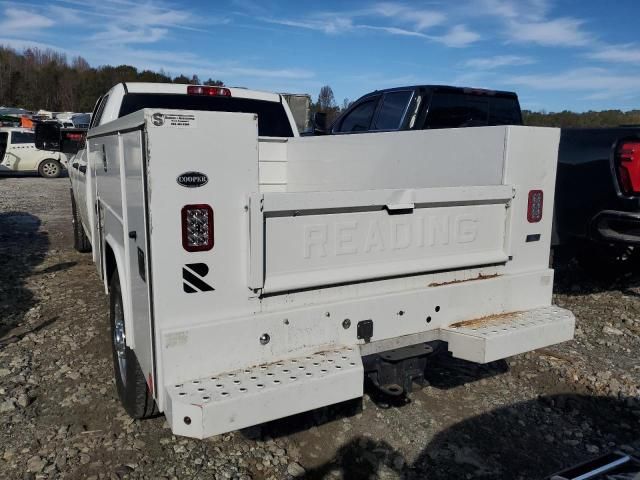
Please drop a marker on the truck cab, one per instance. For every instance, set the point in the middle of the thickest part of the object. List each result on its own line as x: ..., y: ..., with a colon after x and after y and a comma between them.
x: 428, y: 107
x: 275, y: 121
x: 18, y: 154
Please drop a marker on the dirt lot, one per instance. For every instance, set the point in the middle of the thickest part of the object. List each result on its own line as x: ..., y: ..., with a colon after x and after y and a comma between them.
x: 520, y: 419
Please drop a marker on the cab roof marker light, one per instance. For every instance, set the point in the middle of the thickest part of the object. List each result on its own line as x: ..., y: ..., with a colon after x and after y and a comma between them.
x: 208, y: 91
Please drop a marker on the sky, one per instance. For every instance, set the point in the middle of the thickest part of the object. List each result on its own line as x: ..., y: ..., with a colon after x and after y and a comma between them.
x: 557, y: 55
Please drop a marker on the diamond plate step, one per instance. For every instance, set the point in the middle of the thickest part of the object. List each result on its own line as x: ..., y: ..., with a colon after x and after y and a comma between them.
x: 232, y: 400
x: 499, y: 336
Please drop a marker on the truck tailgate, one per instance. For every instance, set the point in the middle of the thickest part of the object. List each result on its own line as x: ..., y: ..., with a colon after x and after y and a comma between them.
x: 311, y: 239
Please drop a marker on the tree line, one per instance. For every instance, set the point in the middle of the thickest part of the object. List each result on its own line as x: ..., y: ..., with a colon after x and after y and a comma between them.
x: 45, y: 79
x: 605, y: 118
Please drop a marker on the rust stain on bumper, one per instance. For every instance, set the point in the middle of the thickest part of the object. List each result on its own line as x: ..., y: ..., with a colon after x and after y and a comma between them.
x: 484, y: 321
x: 479, y: 277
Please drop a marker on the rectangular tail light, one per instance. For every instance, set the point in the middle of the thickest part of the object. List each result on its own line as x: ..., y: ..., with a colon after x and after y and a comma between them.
x: 197, y: 228
x: 534, y: 206
x: 208, y: 91
x: 628, y: 166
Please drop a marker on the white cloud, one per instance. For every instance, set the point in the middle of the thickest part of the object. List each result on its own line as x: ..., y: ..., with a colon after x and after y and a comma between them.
x: 563, y: 31
x: 419, y: 19
x: 490, y: 63
x: 114, y: 35
x: 17, y: 20
x: 406, y: 21
x: 628, y: 53
x: 459, y: 36
x: 20, y: 44
x: 375, y: 80
x: 580, y: 79
x: 189, y: 63
x: 530, y: 22
x: 66, y: 15
x: 529, y: 10
x: 394, y: 31
x: 327, y: 25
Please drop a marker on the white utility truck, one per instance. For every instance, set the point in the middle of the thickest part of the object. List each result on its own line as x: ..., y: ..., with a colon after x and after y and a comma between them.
x: 255, y: 274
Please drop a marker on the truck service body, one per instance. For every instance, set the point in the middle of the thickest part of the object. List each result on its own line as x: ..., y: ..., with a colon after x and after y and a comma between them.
x: 250, y: 275
x: 602, y: 229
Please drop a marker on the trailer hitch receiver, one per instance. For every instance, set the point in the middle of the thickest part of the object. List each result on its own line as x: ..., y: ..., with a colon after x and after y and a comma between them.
x: 393, y: 372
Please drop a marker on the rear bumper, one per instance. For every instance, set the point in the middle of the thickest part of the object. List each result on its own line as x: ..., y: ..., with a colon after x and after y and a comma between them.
x: 616, y: 226
x: 500, y: 336
x: 224, y: 401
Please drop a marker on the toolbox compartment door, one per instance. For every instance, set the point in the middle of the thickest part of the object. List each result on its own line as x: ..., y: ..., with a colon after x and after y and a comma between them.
x: 315, y: 239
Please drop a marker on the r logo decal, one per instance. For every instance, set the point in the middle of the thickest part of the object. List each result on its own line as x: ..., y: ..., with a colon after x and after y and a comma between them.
x: 192, y: 275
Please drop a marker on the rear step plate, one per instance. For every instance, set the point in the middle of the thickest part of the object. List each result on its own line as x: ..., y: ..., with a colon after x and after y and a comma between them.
x: 500, y: 336
x: 232, y: 400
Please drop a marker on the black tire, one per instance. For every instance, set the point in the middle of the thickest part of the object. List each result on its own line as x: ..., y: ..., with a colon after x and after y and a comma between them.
x: 80, y: 240
x: 607, y: 262
x: 50, y: 168
x: 130, y: 382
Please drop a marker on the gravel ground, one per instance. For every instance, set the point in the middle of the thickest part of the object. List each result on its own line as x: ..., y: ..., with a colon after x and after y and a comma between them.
x: 523, y: 418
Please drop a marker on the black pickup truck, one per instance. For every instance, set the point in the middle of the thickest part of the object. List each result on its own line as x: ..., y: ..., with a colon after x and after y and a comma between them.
x: 427, y: 106
x: 597, y: 217
x: 598, y: 196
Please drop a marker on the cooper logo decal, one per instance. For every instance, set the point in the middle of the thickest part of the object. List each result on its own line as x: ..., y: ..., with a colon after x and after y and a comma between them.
x: 192, y: 275
x: 192, y: 179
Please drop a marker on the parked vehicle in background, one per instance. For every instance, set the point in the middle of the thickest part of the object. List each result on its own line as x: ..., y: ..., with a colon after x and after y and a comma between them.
x: 427, y: 107
x: 81, y: 120
x: 18, y: 154
x: 598, y: 197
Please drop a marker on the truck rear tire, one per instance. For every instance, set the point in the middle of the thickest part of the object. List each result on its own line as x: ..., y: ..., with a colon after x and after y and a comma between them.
x: 50, y: 168
x: 132, y: 387
x: 80, y: 240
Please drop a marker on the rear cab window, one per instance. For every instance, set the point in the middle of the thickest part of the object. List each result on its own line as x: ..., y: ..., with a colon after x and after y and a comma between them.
x: 456, y: 110
x: 272, y: 117
x: 97, y: 115
x: 504, y: 111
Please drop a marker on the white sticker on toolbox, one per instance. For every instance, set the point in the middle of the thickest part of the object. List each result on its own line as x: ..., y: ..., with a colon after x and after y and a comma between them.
x: 182, y: 120
x: 176, y: 339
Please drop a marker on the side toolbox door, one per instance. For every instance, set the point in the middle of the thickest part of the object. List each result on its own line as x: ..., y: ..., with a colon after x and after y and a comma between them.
x: 138, y: 247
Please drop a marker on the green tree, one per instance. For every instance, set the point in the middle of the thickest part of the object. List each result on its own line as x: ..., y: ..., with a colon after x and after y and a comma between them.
x: 44, y: 79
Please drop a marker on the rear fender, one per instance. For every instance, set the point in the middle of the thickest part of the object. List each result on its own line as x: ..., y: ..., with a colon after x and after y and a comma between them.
x: 113, y: 247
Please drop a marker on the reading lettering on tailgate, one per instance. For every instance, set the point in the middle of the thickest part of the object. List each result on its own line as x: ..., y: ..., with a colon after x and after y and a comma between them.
x: 370, y: 236
x: 343, y: 246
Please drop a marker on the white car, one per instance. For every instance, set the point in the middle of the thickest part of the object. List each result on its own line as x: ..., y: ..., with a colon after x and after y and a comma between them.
x: 18, y: 153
